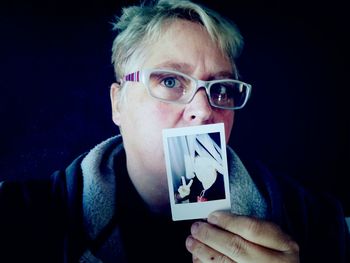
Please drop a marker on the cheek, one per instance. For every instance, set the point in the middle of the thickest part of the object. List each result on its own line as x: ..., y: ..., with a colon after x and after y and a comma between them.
x: 148, y: 118
x: 167, y: 115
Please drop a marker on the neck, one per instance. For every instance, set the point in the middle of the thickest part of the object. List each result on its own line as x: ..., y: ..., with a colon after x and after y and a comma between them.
x: 152, y: 187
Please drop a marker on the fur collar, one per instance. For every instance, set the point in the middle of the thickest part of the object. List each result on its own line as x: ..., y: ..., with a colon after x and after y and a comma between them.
x: 99, y: 186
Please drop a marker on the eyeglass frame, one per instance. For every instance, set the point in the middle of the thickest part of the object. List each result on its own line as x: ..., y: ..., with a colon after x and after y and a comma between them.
x: 143, y: 75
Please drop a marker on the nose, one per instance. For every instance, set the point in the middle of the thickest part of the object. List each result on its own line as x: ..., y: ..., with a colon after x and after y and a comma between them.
x: 199, y: 110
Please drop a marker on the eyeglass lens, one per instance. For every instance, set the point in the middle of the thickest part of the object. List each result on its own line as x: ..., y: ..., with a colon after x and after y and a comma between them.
x: 170, y: 86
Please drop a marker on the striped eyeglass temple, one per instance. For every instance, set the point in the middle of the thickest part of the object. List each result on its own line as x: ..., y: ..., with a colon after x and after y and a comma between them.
x: 132, y: 76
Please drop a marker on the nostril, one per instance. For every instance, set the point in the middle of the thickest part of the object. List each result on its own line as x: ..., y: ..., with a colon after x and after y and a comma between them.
x: 199, y: 109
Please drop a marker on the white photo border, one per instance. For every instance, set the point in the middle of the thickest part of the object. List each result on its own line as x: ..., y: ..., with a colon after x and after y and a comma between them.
x: 196, y: 210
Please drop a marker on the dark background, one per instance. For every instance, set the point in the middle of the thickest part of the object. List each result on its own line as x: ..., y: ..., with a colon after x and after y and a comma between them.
x: 56, y: 72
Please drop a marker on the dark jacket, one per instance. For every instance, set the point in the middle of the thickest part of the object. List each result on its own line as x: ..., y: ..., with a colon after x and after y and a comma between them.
x: 42, y: 221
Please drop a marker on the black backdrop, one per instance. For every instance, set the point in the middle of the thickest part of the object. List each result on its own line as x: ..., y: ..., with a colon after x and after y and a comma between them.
x: 56, y: 72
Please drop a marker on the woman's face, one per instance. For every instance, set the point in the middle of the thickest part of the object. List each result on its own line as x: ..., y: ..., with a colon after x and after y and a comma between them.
x: 187, y: 48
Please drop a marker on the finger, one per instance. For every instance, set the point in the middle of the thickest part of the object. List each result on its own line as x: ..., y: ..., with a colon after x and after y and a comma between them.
x: 213, y: 243
x: 203, y: 253
x: 234, y: 247
x: 257, y: 231
x: 190, y: 183
x: 183, y: 180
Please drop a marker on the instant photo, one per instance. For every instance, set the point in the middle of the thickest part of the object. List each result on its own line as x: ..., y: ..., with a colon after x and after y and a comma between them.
x: 197, y: 171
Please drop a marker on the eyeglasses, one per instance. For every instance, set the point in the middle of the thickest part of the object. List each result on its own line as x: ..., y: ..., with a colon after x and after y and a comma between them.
x: 176, y: 87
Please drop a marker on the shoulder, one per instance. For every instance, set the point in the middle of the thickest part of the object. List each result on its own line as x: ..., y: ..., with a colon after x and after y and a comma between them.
x: 40, y: 198
x: 35, y: 215
x: 29, y: 192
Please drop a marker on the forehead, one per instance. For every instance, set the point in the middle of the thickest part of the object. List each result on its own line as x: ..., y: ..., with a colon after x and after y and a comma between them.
x: 186, y: 46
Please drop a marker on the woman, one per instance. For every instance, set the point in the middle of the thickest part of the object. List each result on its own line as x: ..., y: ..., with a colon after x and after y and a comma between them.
x: 175, y: 67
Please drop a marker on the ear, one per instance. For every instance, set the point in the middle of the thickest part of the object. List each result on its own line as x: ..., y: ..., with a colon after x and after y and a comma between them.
x: 115, y: 103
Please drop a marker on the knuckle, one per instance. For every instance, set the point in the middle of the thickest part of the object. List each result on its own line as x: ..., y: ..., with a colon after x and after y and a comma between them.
x: 225, y: 220
x: 222, y: 259
x: 289, y: 246
x: 255, y: 226
x: 196, y: 260
x: 291, y: 253
x: 198, y: 249
x: 204, y: 232
x: 235, y: 246
x: 293, y: 246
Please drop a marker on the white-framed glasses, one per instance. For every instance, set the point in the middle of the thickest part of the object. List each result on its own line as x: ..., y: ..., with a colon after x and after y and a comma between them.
x: 176, y: 87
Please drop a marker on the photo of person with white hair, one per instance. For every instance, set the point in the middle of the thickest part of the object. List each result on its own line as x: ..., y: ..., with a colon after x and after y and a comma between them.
x: 204, y: 171
x: 197, y: 166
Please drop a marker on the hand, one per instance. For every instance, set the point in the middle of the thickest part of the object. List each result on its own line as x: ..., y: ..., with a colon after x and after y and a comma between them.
x: 231, y: 238
x: 185, y: 189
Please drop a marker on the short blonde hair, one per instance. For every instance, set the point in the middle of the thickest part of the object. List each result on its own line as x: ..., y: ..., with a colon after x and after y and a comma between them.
x: 140, y: 26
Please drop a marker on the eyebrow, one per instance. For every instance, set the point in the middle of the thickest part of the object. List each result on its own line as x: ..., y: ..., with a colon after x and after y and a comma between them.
x: 187, y: 69
x: 182, y: 67
x: 223, y: 74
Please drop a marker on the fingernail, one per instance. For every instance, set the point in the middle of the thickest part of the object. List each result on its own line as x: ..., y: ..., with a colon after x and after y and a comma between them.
x: 194, y: 228
x: 189, y: 242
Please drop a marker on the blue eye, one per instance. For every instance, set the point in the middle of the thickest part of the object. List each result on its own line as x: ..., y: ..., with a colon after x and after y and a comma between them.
x: 170, y: 82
